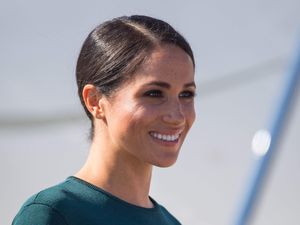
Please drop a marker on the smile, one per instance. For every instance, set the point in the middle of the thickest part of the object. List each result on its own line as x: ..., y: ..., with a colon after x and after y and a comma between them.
x: 165, y: 137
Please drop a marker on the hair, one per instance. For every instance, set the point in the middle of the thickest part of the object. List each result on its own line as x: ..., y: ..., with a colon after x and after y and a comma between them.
x: 115, y: 49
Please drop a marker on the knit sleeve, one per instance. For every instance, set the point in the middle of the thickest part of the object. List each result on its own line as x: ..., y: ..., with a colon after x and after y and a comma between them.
x: 39, y: 214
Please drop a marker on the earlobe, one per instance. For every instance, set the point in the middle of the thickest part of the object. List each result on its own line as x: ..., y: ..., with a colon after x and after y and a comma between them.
x: 92, y: 99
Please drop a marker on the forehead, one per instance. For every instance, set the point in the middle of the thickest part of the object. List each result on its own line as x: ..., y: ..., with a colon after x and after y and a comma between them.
x: 167, y: 55
x: 167, y: 62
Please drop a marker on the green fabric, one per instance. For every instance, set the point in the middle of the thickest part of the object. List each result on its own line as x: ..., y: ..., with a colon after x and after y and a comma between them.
x: 76, y: 202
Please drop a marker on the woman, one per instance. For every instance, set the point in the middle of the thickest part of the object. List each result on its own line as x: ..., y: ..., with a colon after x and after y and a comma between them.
x: 135, y: 79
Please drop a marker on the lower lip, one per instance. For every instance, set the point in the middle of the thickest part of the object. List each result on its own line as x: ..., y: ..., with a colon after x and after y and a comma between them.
x: 165, y: 143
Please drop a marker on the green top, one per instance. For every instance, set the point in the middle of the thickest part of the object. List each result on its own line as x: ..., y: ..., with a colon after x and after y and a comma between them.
x: 76, y: 202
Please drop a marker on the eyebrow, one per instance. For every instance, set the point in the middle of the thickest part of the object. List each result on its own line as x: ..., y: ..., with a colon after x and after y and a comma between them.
x: 168, y: 86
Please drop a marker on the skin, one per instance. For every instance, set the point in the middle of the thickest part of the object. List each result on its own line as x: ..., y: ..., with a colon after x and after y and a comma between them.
x: 158, y: 99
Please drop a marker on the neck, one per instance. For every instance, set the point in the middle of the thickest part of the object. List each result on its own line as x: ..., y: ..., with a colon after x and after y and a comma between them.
x: 119, y: 173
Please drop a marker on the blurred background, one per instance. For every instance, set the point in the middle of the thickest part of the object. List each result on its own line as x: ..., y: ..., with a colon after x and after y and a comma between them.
x: 242, y: 49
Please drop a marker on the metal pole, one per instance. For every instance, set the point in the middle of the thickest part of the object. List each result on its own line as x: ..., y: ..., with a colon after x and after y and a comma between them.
x: 267, y: 142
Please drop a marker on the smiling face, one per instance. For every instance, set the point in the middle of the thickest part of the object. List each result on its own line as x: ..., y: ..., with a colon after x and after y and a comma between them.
x: 148, y: 117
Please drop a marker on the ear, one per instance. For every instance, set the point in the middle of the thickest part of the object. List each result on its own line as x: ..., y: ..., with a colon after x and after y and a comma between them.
x: 92, y: 99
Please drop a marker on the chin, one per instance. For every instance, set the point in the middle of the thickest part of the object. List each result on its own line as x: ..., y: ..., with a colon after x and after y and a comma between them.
x: 167, y: 162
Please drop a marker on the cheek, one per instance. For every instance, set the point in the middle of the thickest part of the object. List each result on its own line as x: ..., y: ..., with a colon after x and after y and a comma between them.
x: 131, y: 119
x: 190, y: 114
x: 142, y: 116
x: 132, y: 129
x: 139, y: 122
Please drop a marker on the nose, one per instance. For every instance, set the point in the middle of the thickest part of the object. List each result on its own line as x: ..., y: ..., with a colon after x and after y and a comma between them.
x: 173, y: 114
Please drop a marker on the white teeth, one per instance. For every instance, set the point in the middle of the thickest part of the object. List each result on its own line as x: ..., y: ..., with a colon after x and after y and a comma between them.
x: 164, y: 137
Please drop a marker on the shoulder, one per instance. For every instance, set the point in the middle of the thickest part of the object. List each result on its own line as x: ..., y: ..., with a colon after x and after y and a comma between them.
x: 38, y: 214
x: 45, y: 207
x: 53, y: 197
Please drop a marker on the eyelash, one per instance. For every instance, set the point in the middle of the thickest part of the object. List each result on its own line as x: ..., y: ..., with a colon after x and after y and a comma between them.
x: 187, y: 94
x: 153, y: 93
x: 158, y: 94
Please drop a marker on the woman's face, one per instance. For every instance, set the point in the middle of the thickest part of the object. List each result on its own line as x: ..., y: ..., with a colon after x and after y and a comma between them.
x: 150, y: 115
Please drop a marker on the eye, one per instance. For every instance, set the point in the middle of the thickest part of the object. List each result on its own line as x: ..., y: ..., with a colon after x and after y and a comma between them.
x: 187, y: 94
x: 153, y: 94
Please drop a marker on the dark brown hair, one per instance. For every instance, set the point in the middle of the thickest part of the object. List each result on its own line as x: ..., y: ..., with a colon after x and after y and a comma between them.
x: 115, y: 49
